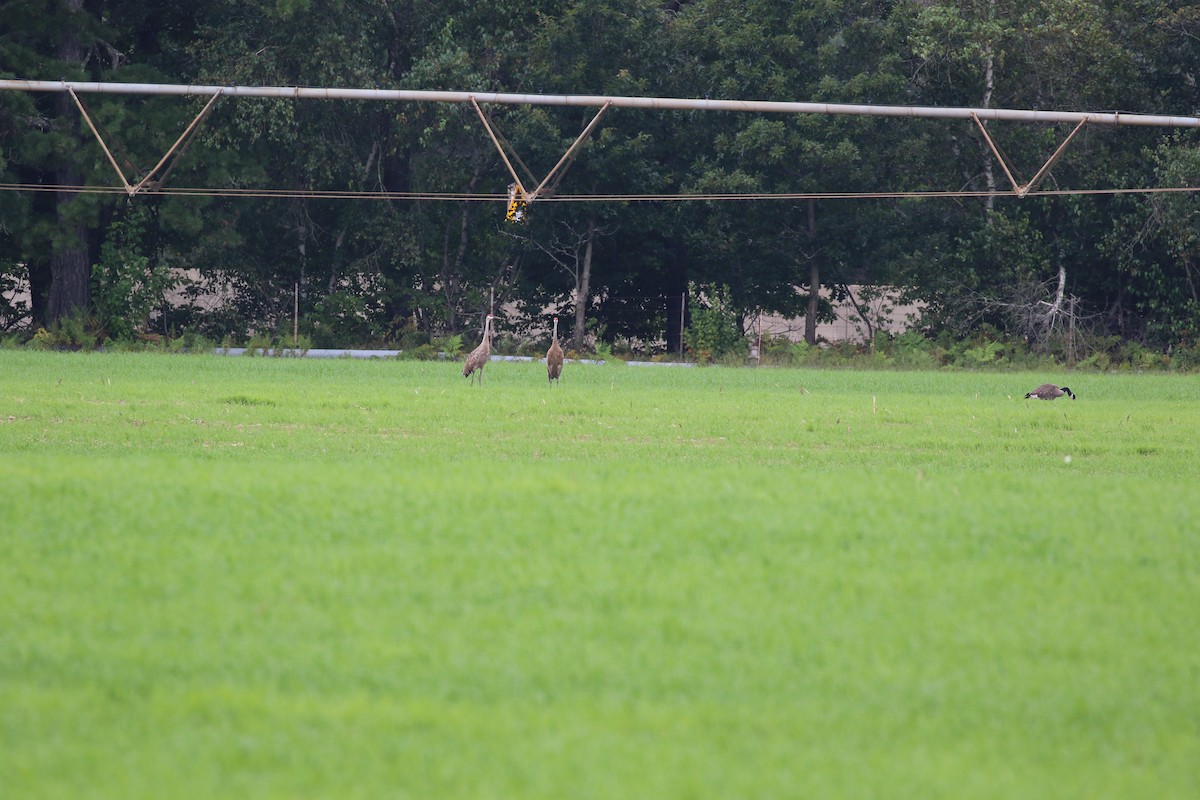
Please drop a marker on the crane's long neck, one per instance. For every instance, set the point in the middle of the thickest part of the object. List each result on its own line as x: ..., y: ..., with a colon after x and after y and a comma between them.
x: 556, y: 329
x: 487, y: 331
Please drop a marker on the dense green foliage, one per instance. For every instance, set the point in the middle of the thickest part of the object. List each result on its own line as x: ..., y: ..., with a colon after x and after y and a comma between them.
x: 366, y: 270
x: 291, y: 577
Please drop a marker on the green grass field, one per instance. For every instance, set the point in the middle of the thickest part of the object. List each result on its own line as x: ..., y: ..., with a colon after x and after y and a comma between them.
x: 261, y: 578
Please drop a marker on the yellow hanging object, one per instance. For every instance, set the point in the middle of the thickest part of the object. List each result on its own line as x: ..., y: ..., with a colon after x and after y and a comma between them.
x: 516, y: 206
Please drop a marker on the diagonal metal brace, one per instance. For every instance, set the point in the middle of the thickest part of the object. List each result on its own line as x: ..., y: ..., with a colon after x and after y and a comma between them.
x: 500, y: 149
x: 1023, y: 189
x: 133, y: 189
x: 1041, y: 173
x: 498, y: 137
x: 180, y: 144
x: 572, y: 150
x: 996, y: 151
x: 559, y: 169
x: 87, y: 118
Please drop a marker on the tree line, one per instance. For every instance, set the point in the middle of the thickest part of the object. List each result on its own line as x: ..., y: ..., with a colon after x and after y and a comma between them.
x: 369, y: 270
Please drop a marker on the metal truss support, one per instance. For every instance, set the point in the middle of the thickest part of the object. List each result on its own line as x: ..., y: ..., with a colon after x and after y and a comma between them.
x: 561, y: 167
x: 175, y: 150
x: 1022, y: 189
x: 519, y: 187
x: 554, y: 175
x: 546, y: 186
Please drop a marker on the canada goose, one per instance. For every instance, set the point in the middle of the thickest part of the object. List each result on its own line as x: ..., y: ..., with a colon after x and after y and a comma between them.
x: 1048, y: 391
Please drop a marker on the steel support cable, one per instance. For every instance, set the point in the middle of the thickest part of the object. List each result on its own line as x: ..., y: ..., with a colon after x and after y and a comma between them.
x: 585, y: 198
x: 268, y: 193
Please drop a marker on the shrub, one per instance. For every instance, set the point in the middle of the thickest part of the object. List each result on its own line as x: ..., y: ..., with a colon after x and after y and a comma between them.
x: 341, y: 319
x: 412, y: 337
x: 1187, y: 358
x: 422, y: 352
x: 76, y: 332
x: 1097, y: 361
x: 604, y: 352
x: 452, y: 346
x: 911, y: 350
x: 190, y: 341
x: 127, y: 285
x: 259, y: 345
x: 711, y: 333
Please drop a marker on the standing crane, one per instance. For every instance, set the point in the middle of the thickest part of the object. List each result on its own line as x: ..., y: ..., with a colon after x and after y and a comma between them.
x: 554, y: 358
x: 479, y: 356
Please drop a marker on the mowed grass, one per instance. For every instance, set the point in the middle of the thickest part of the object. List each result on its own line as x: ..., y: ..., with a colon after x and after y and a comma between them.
x: 244, y: 577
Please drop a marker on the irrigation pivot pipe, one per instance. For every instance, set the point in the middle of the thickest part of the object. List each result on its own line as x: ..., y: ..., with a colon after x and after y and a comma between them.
x: 659, y: 103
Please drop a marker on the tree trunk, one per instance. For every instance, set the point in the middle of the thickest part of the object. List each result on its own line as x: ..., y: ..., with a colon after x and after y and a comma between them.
x: 581, y: 286
x: 814, y: 281
x: 70, y: 285
x: 864, y: 313
x: 989, y: 86
x: 1055, y: 309
x: 810, y: 316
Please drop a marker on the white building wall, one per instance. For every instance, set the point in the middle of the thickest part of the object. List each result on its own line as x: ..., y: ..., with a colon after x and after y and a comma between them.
x: 885, y: 313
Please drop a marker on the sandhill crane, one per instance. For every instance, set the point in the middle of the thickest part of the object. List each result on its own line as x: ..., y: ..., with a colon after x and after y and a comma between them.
x: 1048, y: 391
x: 554, y: 357
x: 479, y: 356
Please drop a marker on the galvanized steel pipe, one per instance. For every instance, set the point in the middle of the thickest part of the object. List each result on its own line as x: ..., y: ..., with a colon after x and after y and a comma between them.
x: 659, y: 103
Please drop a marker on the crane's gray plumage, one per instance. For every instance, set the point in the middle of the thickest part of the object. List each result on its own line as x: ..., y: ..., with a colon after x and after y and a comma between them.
x: 1048, y: 391
x: 554, y: 357
x: 479, y: 356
